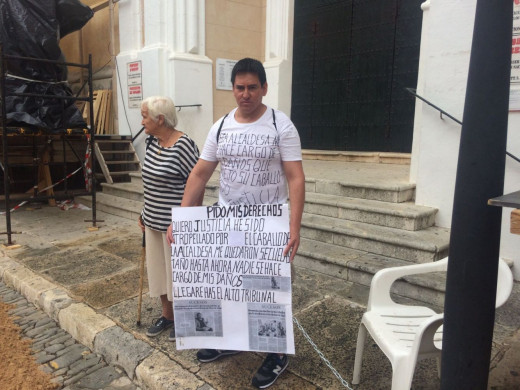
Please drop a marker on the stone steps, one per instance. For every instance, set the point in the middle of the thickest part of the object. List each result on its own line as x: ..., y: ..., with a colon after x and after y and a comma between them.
x: 349, y: 229
x: 392, y: 193
x: 359, y: 266
x: 126, y: 199
x: 406, y: 216
x: 115, y: 205
x: 365, y: 157
x: 415, y: 246
x: 136, y: 178
x: 132, y: 190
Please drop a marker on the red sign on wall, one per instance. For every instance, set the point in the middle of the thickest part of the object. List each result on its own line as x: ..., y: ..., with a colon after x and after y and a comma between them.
x: 135, y: 87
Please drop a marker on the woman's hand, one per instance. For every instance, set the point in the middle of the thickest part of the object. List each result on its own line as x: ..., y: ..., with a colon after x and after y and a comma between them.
x: 140, y: 223
x: 169, y: 235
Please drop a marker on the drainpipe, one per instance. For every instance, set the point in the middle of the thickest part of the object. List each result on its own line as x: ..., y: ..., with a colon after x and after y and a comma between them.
x: 469, y: 309
x: 141, y: 4
x: 115, y: 124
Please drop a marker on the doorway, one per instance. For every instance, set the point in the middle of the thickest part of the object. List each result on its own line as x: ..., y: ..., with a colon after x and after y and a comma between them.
x: 352, y: 60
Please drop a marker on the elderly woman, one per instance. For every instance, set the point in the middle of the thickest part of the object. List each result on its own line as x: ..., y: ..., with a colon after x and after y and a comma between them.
x: 169, y: 159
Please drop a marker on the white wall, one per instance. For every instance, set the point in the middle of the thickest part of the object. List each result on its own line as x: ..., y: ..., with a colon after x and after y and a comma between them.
x: 444, y: 67
x: 278, y: 53
x: 168, y: 37
x: 443, y: 71
x: 510, y: 243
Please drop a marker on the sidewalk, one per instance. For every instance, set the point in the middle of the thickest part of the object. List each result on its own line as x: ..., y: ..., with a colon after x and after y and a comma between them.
x: 72, y: 365
x: 88, y: 282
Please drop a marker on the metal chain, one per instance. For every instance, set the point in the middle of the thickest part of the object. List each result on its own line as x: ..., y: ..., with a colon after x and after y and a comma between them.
x: 321, y: 355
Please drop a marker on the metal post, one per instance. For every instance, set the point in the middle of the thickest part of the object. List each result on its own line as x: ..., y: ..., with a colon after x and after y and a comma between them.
x: 4, y: 148
x: 114, y: 125
x: 65, y: 187
x: 91, y: 140
x: 35, y: 165
x: 475, y: 231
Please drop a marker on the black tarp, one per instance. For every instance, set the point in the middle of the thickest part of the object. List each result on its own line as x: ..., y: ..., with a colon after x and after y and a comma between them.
x: 33, y: 28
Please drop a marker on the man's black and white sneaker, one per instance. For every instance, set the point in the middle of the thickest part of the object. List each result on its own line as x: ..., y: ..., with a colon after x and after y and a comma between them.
x: 270, y: 370
x: 159, y: 326
x: 208, y: 355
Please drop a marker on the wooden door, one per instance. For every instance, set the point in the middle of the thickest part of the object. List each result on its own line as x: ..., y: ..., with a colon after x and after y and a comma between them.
x: 352, y: 60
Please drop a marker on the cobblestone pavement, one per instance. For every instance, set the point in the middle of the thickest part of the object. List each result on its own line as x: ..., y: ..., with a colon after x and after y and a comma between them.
x: 87, y: 280
x: 72, y: 365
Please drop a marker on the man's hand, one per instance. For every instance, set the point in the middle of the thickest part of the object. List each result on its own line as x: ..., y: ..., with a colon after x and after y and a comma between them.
x: 296, y: 180
x: 292, y: 246
x: 140, y: 223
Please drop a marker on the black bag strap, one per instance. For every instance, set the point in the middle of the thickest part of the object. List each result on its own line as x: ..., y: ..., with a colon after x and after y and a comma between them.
x: 220, y: 127
x: 149, y: 141
x: 274, y: 121
x: 225, y: 116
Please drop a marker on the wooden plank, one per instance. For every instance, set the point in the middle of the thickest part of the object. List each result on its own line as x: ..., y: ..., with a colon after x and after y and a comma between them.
x: 108, y: 114
x: 44, y: 174
x: 14, y: 246
x: 97, y: 100
x: 101, y: 113
x: 100, y: 5
x: 86, y: 107
x: 102, y: 164
x: 99, y: 116
x: 102, y: 106
x: 112, y: 121
x: 515, y: 221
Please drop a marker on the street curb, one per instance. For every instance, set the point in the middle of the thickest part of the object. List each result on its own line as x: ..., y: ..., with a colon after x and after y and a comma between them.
x: 147, y: 367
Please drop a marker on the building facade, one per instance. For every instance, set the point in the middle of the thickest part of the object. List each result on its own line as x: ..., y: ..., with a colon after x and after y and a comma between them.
x: 339, y: 68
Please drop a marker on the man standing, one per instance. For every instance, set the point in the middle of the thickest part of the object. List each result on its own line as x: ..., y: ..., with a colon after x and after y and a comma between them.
x: 260, y: 156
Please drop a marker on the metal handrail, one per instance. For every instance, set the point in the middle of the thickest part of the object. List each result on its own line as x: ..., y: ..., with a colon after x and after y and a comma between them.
x: 179, y: 107
x: 138, y: 134
x: 188, y: 105
x: 414, y: 93
x: 513, y: 156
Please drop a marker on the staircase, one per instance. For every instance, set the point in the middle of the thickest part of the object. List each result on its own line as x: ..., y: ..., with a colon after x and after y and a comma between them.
x: 121, y: 199
x: 354, y: 224
x: 116, y: 158
x: 352, y: 231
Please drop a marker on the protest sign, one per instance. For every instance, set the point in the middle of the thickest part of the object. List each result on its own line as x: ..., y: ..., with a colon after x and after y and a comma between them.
x: 231, y: 281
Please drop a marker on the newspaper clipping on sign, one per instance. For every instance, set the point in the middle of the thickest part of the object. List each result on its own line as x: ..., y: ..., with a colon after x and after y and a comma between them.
x: 231, y: 281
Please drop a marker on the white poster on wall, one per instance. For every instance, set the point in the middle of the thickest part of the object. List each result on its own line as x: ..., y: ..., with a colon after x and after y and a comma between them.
x: 231, y: 281
x: 223, y: 73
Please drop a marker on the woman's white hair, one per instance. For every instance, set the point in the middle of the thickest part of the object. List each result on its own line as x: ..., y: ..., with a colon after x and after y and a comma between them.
x: 161, y: 105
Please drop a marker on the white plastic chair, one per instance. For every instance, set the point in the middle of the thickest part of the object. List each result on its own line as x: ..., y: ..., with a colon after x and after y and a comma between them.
x: 405, y: 333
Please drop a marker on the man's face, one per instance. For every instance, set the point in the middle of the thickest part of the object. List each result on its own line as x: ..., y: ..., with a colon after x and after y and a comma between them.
x: 248, y: 92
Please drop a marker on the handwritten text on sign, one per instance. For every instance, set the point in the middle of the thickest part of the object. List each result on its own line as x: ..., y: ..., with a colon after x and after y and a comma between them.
x: 230, y: 259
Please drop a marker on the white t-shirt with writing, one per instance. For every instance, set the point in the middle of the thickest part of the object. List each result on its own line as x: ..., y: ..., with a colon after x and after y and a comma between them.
x: 250, y: 157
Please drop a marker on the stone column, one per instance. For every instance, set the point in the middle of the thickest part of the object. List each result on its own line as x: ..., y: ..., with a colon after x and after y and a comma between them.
x: 278, y: 53
x: 417, y: 126
x: 189, y: 68
x: 171, y: 48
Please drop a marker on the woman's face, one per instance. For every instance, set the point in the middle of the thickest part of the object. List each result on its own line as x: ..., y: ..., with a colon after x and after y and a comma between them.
x: 150, y: 126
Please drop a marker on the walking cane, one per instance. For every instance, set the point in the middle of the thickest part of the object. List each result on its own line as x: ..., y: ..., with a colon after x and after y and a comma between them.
x: 141, y: 277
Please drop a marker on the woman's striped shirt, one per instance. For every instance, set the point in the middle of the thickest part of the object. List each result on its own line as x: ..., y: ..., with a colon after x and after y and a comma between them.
x: 165, y: 172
